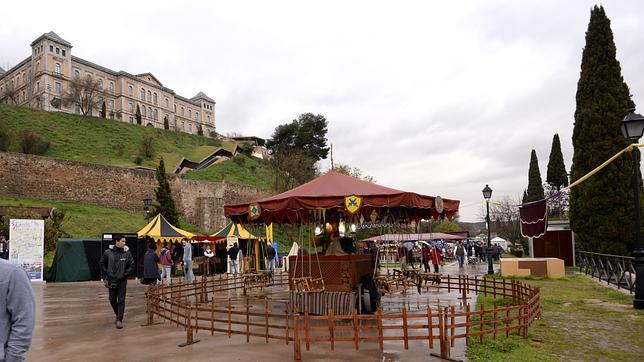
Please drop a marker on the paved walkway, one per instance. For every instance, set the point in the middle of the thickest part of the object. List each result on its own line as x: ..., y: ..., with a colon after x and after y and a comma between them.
x: 75, y: 323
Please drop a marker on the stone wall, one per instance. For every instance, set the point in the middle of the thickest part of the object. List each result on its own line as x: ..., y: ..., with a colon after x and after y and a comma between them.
x: 201, y: 203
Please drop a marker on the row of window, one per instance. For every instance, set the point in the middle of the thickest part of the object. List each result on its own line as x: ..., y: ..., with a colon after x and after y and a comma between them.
x: 58, y: 50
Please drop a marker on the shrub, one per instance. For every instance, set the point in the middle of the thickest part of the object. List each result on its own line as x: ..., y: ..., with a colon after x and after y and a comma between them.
x: 4, y: 138
x: 517, y: 252
x: 138, y: 160
x: 166, y: 123
x: 239, y: 159
x: 247, y: 148
x: 146, y: 149
x: 32, y: 143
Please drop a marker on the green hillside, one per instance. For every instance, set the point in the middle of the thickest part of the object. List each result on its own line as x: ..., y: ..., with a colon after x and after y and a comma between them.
x: 244, y: 170
x: 99, y: 140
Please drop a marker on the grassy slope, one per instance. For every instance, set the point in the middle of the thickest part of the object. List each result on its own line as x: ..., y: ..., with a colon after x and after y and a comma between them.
x: 582, y: 321
x: 102, y: 141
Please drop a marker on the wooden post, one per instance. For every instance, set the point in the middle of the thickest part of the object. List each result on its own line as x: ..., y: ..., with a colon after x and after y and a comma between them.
x: 229, y: 320
x: 404, y: 314
x: 247, y: 321
x: 445, y: 352
x: 297, y: 352
x: 467, y: 324
x: 331, y: 328
x: 266, y: 318
x: 481, y: 316
x: 306, y: 328
x: 430, y: 328
x: 212, y: 316
x: 356, y: 329
x: 380, y: 331
x: 288, y: 313
x: 453, y: 320
x: 507, y: 321
x: 494, y: 316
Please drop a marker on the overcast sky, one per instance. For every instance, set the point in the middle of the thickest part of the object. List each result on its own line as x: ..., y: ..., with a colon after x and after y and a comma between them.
x: 434, y: 98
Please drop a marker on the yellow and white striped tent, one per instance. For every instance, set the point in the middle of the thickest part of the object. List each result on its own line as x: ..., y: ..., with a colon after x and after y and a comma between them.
x: 161, y: 230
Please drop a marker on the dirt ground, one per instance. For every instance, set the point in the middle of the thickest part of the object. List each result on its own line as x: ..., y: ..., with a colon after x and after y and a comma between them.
x: 75, y: 322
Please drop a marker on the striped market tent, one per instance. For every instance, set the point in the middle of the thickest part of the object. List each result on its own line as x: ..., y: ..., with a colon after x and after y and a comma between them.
x: 236, y: 231
x: 161, y: 230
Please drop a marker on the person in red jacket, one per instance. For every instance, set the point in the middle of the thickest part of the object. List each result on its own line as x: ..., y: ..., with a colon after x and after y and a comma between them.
x: 166, y: 263
x: 427, y: 256
x: 436, y: 258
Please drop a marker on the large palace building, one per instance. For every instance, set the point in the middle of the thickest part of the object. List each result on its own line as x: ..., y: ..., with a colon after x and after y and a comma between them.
x: 43, y: 79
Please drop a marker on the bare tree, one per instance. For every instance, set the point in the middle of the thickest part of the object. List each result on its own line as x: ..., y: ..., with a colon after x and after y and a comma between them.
x: 504, y: 217
x: 86, y: 93
x: 10, y: 94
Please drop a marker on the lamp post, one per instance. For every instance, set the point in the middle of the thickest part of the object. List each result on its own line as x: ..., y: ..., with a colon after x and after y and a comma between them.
x: 487, y: 194
x: 632, y: 129
x: 147, y: 201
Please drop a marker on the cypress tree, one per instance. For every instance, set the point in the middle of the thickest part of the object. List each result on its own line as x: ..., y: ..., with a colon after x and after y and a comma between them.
x: 103, y: 110
x: 138, y: 114
x: 556, y: 176
x: 535, y: 188
x: 165, y: 204
x: 601, y: 208
x: 166, y: 123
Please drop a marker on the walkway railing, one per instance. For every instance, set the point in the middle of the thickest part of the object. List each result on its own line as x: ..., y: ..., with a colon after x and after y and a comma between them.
x: 613, y: 269
x: 199, y: 307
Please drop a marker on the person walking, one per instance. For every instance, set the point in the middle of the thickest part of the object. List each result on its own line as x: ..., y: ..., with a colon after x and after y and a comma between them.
x: 436, y: 258
x: 232, y: 253
x: 209, y: 254
x: 187, y: 261
x: 270, y: 258
x: 150, y: 265
x: 459, y: 251
x: 166, y: 264
x: 427, y: 256
x: 17, y: 312
x: 116, y: 264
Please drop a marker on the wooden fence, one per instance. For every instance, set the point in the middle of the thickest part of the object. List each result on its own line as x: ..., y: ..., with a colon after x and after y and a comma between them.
x: 199, y: 307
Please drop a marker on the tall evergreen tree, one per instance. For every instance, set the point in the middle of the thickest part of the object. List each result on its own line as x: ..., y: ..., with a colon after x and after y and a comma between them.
x: 601, y: 208
x: 137, y: 115
x: 166, y: 123
x: 535, y: 188
x: 165, y: 204
x: 103, y: 110
x: 557, y: 176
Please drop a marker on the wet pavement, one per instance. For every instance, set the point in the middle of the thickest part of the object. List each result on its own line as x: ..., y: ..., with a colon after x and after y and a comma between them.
x: 75, y: 323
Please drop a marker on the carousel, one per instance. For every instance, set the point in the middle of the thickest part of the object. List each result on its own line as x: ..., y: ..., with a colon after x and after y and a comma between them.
x: 327, y: 273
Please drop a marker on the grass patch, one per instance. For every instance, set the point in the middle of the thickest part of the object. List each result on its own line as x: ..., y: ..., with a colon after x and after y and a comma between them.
x: 251, y: 171
x: 582, y: 320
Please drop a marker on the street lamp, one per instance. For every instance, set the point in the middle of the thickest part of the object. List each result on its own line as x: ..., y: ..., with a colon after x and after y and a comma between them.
x: 147, y: 201
x: 632, y: 129
x: 487, y: 194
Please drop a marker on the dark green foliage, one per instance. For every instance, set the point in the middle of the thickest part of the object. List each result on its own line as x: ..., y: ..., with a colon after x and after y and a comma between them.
x: 535, y: 188
x: 247, y: 149
x: 32, y: 143
x: 103, y: 110
x: 138, y: 160
x: 199, y: 130
x: 137, y: 115
x: 601, y: 208
x: 4, y: 137
x: 53, y: 226
x: 146, y: 148
x: 239, y: 159
x: 557, y: 175
x: 166, y: 123
x: 307, y: 133
x: 56, y: 102
x: 164, y: 202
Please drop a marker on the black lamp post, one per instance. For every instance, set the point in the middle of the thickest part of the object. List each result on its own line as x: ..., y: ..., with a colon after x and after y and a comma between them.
x: 632, y: 129
x: 147, y: 201
x: 487, y: 194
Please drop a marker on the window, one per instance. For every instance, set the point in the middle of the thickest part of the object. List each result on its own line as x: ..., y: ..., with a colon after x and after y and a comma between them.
x: 181, y: 111
x: 57, y: 68
x: 100, y: 84
x: 111, y: 105
x: 154, y: 98
x: 37, y: 66
x: 76, y: 73
x: 24, y: 78
x: 131, y: 119
x: 197, y: 116
x: 143, y: 112
x: 190, y: 113
x: 51, y: 48
x: 149, y: 112
x: 165, y: 103
x: 183, y: 126
x: 111, y: 87
x: 59, y: 88
x: 37, y: 86
x: 57, y: 50
x: 130, y: 90
x: 156, y: 114
x: 208, y: 119
x: 142, y: 94
x: 18, y: 80
x: 63, y: 52
x: 190, y: 127
x: 175, y: 108
x: 149, y: 96
x: 131, y: 106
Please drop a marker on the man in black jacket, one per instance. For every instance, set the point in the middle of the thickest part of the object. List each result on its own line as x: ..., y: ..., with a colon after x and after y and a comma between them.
x: 116, y: 264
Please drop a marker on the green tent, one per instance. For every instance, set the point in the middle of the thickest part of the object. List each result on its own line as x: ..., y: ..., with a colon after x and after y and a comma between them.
x: 70, y: 261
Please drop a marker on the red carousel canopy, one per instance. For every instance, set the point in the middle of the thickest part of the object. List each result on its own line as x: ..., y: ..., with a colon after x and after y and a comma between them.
x: 334, y: 192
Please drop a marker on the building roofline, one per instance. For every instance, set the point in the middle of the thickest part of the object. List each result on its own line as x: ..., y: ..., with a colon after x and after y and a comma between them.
x: 53, y: 37
x: 15, y: 67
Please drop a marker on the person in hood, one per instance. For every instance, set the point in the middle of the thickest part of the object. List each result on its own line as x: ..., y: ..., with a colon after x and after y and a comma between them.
x: 166, y: 263
x: 151, y: 264
x: 116, y: 264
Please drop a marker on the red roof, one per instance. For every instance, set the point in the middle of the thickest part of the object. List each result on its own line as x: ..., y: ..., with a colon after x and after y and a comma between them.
x: 329, y: 192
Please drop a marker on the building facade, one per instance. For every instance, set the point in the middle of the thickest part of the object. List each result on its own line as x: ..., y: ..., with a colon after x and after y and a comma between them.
x: 42, y: 79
